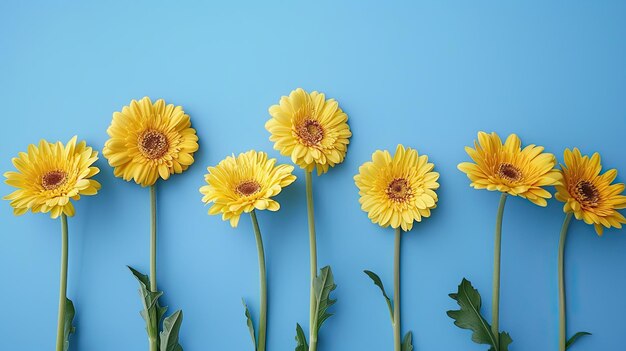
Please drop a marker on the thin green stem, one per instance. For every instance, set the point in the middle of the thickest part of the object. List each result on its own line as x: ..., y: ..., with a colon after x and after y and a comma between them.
x: 397, y: 337
x: 561, y: 263
x: 153, y: 239
x: 313, y: 257
x: 153, y: 252
x: 263, y: 284
x: 495, y: 303
x: 63, y: 285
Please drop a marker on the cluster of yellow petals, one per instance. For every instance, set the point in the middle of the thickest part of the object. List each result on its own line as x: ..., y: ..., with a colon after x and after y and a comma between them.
x: 311, y: 130
x: 149, y: 141
x: 397, y: 190
x: 49, y: 175
x: 589, y: 194
x: 510, y: 169
x: 244, y: 183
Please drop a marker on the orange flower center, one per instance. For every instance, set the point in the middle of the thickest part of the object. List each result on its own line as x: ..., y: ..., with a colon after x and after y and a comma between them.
x: 509, y: 172
x: 586, y: 193
x: 310, y: 132
x: 248, y: 188
x: 53, y: 179
x: 153, y: 144
x: 399, y: 190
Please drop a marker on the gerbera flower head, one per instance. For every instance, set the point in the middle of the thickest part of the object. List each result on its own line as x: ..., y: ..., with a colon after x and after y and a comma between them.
x: 510, y: 169
x: 311, y: 130
x: 589, y: 194
x: 244, y: 183
x: 149, y: 141
x: 49, y: 175
x: 397, y: 190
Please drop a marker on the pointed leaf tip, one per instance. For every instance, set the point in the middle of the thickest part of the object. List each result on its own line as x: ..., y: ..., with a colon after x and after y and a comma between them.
x: 407, y: 342
x: 301, y: 344
x: 249, y: 323
x: 575, y: 338
x: 142, y: 278
x: 379, y: 284
x: 469, y: 317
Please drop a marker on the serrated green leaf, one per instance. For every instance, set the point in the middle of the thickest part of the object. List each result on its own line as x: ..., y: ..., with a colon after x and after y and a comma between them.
x: 249, y: 323
x: 171, y: 329
x: 301, y: 344
x: 469, y: 317
x: 407, y: 342
x: 68, y: 328
x: 575, y: 338
x: 152, y: 312
x: 323, y: 285
x: 379, y: 283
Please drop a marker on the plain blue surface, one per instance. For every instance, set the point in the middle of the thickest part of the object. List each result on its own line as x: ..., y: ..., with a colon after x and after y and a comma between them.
x: 428, y: 74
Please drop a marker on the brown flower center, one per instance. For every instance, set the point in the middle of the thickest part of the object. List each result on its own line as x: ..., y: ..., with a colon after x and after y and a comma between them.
x: 248, y: 188
x: 53, y: 179
x: 310, y: 132
x: 153, y: 144
x: 586, y: 193
x: 509, y: 172
x: 399, y: 190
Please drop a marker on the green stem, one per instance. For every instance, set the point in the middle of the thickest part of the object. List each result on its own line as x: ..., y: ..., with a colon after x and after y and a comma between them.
x: 153, y: 239
x: 63, y: 285
x: 153, y: 252
x: 263, y: 283
x: 397, y: 337
x: 561, y: 259
x: 313, y: 257
x: 495, y: 303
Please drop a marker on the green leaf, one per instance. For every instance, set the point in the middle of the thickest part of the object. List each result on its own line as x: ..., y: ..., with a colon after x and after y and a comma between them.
x: 323, y: 285
x: 379, y: 283
x: 575, y: 338
x: 152, y: 312
x: 301, y: 344
x: 171, y: 329
x: 142, y: 278
x: 469, y: 317
x: 149, y: 298
x: 68, y: 328
x: 407, y: 342
x: 250, y: 324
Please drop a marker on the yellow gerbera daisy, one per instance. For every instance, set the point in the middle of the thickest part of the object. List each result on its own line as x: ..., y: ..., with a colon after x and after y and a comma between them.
x: 150, y: 140
x: 51, y: 174
x: 311, y: 130
x: 244, y: 183
x: 397, y: 190
x: 510, y: 169
x: 589, y: 194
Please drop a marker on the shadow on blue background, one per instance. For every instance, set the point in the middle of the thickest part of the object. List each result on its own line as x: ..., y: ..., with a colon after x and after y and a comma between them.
x: 429, y: 75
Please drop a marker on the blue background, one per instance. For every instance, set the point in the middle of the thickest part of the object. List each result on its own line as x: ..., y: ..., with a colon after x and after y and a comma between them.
x: 428, y: 74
